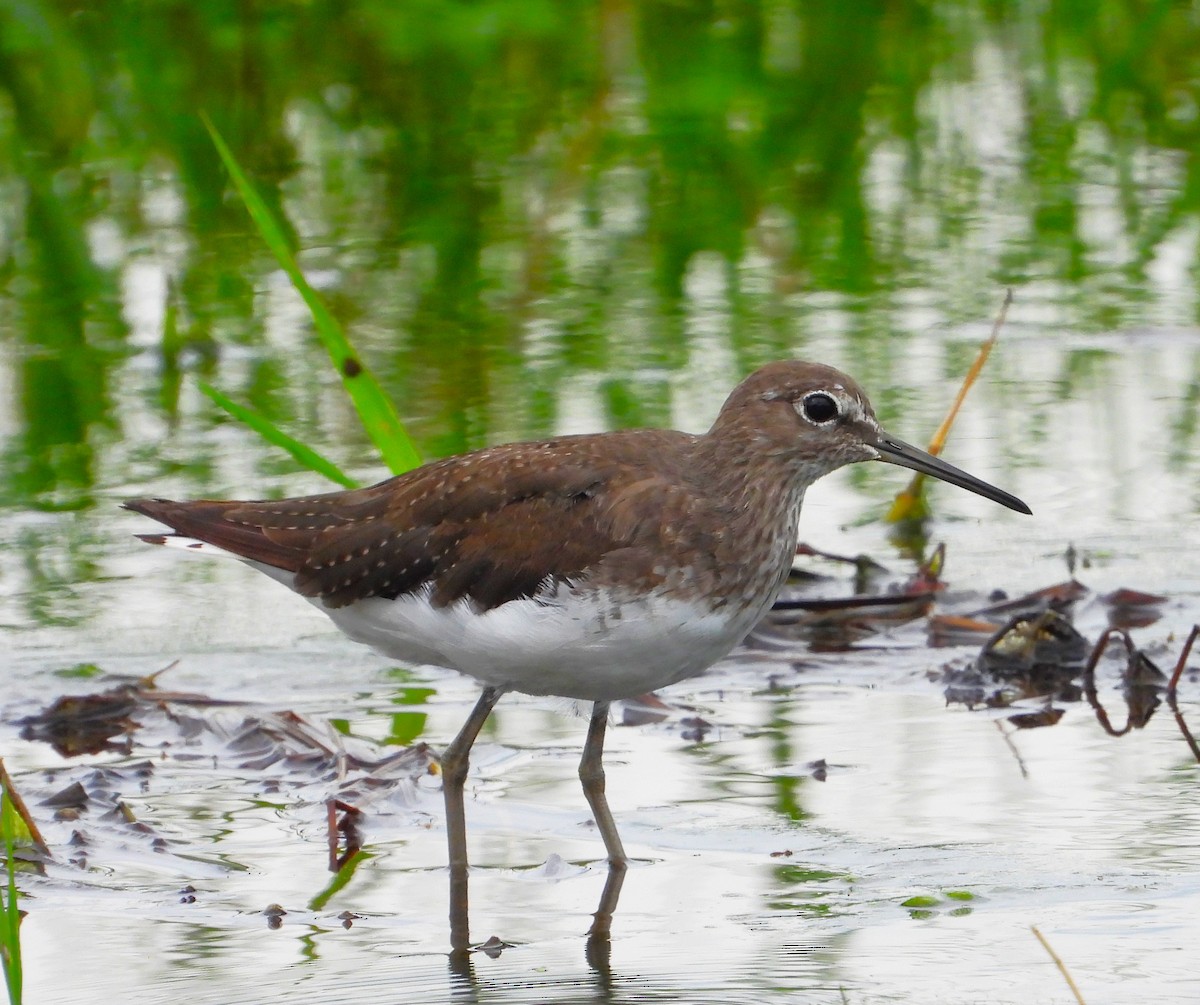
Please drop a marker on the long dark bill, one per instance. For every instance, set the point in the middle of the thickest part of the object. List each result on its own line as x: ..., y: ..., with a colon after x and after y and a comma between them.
x: 907, y: 456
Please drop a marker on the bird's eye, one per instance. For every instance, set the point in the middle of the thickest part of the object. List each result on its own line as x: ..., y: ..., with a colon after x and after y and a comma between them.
x: 819, y: 407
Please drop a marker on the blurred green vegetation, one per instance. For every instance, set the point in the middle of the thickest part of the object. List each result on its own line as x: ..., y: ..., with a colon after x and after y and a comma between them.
x: 503, y: 198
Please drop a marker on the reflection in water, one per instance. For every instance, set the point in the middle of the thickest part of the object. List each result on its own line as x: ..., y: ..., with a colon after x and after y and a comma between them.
x: 597, y: 945
x: 468, y: 986
x: 1141, y: 682
x: 739, y: 905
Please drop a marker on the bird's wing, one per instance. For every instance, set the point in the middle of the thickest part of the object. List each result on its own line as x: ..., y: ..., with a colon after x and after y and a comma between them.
x: 488, y: 527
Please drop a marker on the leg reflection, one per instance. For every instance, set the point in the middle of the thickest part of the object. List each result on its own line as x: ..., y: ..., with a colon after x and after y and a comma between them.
x: 599, y: 938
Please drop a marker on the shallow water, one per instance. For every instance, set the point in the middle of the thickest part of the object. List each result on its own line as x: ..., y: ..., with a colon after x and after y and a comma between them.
x: 751, y: 880
x: 536, y: 222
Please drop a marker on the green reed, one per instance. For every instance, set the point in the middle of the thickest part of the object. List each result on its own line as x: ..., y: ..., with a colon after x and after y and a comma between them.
x: 374, y: 409
x: 10, y: 913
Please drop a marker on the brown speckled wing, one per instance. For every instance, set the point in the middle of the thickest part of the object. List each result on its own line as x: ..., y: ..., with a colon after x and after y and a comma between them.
x: 490, y: 527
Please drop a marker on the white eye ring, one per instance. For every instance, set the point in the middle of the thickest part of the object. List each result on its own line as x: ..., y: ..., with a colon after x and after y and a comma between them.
x: 820, y: 408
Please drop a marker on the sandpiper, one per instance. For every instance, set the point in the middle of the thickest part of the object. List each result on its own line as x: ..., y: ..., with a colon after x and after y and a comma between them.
x: 595, y: 567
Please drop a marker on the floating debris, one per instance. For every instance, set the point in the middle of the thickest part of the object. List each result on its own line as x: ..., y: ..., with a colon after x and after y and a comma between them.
x: 272, y: 751
x: 1032, y: 656
x: 834, y: 624
x: 1132, y: 608
x: 86, y: 724
x: 274, y: 915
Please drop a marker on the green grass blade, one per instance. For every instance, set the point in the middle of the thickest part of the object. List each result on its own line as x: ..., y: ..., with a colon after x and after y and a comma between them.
x: 374, y: 409
x: 10, y: 911
x: 273, y: 434
x: 11, y: 825
x: 340, y: 880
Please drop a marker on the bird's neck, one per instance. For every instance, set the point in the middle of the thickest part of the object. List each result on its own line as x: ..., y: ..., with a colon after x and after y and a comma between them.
x: 750, y: 474
x: 761, y: 492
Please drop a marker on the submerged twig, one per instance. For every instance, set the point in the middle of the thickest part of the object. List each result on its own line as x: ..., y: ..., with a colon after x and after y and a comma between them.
x: 1012, y: 747
x: 1062, y: 967
x: 1173, y: 697
x: 1173, y: 683
x: 1183, y: 728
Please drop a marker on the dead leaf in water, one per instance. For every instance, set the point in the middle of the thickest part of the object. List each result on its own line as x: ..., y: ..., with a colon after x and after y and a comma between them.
x: 85, y: 724
x: 947, y: 630
x: 1060, y: 597
x: 1132, y: 608
x: 1048, y: 716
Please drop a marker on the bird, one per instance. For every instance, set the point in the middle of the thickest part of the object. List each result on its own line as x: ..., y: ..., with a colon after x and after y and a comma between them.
x: 595, y: 567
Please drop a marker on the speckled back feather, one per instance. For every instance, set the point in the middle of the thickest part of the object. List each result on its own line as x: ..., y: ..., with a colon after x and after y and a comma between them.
x: 490, y: 527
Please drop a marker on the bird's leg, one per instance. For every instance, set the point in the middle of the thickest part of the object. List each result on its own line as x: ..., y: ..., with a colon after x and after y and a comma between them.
x: 455, y: 761
x: 591, y: 774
